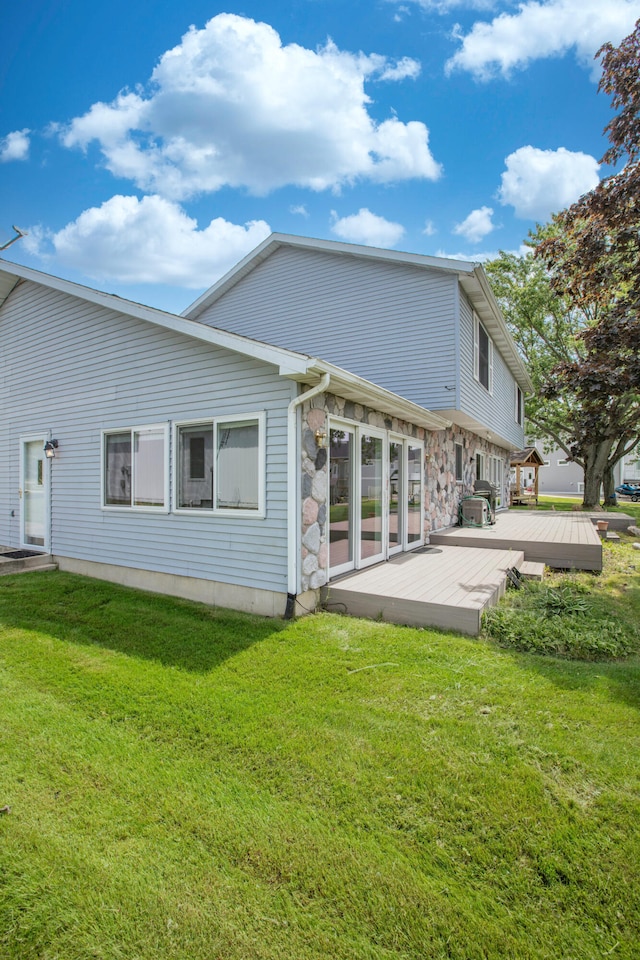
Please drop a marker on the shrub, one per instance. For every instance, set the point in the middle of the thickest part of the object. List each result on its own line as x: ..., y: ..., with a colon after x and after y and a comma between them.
x: 562, y: 621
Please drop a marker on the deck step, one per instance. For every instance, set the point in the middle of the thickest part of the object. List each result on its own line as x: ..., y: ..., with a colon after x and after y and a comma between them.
x: 612, y: 537
x: 530, y: 570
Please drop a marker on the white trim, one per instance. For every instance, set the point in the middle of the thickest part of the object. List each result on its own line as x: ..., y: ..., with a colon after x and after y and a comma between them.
x: 133, y: 508
x: 519, y: 404
x: 456, y: 447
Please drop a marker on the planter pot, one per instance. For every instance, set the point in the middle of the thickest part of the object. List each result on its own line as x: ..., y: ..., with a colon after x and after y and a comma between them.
x: 602, y: 525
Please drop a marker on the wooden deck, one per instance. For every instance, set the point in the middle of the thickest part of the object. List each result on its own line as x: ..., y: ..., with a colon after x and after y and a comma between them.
x: 561, y: 540
x: 445, y: 587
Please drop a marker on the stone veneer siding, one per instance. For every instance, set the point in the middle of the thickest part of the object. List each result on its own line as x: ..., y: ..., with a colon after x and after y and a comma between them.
x: 441, y: 491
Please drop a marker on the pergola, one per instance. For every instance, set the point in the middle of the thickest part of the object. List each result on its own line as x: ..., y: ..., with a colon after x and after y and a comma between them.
x: 530, y: 459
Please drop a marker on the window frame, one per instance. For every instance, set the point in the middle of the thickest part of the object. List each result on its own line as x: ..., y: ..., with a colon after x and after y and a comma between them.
x: 477, y: 323
x: 132, y: 431
x: 519, y: 406
x: 258, y: 417
x: 459, y: 452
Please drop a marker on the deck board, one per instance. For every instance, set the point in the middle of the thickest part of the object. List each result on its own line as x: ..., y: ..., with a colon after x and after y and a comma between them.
x: 555, y: 539
x: 447, y: 587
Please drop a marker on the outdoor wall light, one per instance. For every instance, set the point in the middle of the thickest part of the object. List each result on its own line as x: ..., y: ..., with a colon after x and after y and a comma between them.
x: 320, y: 438
x: 50, y: 448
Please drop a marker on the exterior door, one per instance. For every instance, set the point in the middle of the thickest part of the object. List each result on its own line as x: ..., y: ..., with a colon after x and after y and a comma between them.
x: 372, y: 513
x: 34, y: 494
x: 342, y: 469
x: 376, y: 500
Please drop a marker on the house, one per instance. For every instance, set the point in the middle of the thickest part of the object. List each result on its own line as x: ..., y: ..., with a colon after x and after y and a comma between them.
x: 321, y: 408
x: 564, y: 477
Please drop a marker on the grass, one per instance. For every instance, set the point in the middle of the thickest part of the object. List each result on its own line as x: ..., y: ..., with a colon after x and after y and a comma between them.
x: 575, y: 615
x: 190, y: 783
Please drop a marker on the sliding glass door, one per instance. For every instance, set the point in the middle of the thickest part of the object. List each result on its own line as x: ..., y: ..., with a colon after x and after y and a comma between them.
x: 376, y: 497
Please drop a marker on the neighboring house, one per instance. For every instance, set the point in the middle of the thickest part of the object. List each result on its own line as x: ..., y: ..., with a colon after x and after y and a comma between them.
x: 321, y: 408
x: 562, y: 477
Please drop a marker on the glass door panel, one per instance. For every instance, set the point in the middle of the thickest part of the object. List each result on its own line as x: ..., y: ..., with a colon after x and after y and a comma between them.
x: 341, y: 500
x: 33, y: 497
x: 396, y: 496
x: 372, y: 547
x: 414, y: 495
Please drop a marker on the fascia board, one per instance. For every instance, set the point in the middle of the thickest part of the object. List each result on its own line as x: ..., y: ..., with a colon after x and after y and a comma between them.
x: 364, y: 391
x: 276, y: 240
x: 287, y: 361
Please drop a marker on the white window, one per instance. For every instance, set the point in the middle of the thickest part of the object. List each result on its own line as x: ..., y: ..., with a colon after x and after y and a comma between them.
x: 562, y: 463
x: 482, y: 355
x: 135, y: 472
x: 220, y: 465
x: 480, y: 470
x: 519, y: 406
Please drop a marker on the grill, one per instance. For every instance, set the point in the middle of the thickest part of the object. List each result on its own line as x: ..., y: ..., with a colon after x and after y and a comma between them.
x: 483, y: 488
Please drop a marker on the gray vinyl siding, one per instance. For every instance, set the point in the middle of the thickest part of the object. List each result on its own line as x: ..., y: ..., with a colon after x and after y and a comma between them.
x: 496, y: 410
x: 74, y: 368
x: 393, y: 324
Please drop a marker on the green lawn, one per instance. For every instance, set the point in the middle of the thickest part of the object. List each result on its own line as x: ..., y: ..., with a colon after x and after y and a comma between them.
x: 200, y: 785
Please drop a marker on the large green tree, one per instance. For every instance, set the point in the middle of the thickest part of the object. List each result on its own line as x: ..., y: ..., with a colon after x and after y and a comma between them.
x: 592, y: 254
x: 551, y: 332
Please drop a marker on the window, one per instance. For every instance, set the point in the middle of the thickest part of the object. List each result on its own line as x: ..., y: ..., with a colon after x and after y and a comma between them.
x: 480, y: 473
x: 482, y: 355
x: 562, y: 463
x: 135, y: 473
x: 220, y: 465
x: 519, y: 406
x: 194, y: 455
x: 459, y: 464
x: 237, y: 465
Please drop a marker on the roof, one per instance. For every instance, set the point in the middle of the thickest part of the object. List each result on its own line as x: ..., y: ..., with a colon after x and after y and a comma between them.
x: 471, y: 276
x: 529, y: 457
x: 296, y: 366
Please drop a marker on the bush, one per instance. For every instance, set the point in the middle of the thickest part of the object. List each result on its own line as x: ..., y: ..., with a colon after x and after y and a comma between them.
x: 559, y: 621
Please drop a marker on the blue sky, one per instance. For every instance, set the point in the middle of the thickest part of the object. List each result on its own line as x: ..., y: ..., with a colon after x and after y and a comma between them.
x: 148, y: 145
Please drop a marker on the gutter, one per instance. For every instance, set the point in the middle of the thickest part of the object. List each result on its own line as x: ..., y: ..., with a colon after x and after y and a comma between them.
x: 293, y: 512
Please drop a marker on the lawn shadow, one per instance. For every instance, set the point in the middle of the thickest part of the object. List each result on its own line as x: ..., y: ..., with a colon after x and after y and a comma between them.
x: 621, y: 676
x: 173, y: 632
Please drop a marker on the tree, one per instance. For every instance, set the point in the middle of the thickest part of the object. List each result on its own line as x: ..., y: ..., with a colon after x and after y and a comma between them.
x: 593, y: 257
x: 550, y: 332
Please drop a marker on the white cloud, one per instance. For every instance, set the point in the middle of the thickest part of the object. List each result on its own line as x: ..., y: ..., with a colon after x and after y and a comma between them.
x: 149, y: 241
x: 537, y: 183
x: 365, y: 227
x: 484, y: 256
x: 299, y: 208
x: 543, y: 29
x: 445, y: 6
x: 429, y: 228
x: 231, y: 106
x: 476, y: 226
x: 15, y: 146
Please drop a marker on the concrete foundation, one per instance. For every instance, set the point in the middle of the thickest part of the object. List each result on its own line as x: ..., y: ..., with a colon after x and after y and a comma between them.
x: 266, y: 603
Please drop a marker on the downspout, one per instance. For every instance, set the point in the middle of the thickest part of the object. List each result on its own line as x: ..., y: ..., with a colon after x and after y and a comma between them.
x: 292, y: 491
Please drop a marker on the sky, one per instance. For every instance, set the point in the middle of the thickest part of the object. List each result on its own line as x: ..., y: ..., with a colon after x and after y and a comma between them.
x: 146, y: 146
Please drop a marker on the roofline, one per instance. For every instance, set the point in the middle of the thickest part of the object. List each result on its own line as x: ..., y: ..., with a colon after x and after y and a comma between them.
x: 471, y: 276
x: 276, y: 240
x: 362, y: 391
x: 288, y: 361
x: 296, y: 366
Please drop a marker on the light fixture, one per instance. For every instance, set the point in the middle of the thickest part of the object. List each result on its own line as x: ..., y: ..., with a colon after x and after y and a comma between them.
x: 50, y: 448
x: 472, y: 459
x: 320, y: 438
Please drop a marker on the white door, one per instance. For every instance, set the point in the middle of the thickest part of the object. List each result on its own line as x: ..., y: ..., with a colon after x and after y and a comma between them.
x: 34, y: 494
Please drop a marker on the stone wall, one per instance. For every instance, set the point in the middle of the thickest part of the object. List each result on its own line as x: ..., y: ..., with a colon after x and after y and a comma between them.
x: 442, y: 492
